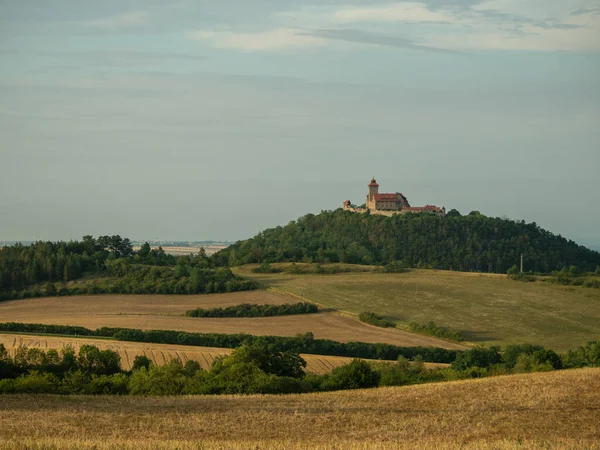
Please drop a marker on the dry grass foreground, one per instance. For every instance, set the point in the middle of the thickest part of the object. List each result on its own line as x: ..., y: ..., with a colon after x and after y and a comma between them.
x: 159, y: 353
x: 542, y: 410
x: 489, y: 309
x: 165, y: 312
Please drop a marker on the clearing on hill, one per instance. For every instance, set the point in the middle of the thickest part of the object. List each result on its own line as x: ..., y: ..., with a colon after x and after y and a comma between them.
x: 165, y: 312
x: 541, y: 410
x: 487, y: 308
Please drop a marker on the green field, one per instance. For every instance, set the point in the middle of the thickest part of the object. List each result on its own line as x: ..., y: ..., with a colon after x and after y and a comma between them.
x: 488, y: 309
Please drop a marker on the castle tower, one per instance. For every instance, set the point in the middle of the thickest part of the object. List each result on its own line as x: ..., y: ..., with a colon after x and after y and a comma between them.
x: 373, y: 190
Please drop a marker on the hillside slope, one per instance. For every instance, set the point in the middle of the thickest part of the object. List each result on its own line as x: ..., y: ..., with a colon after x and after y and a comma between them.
x: 465, y: 243
x: 488, y: 309
x: 541, y: 410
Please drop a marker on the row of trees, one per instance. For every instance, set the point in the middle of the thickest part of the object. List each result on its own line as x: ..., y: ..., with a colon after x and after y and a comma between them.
x: 303, y: 343
x: 257, y: 369
x: 466, y: 243
x: 249, y: 310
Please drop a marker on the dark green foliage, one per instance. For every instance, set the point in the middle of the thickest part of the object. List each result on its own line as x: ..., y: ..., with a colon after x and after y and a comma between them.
x: 44, y: 268
x: 375, y: 319
x: 141, y: 361
x: 433, y: 330
x: 466, y: 243
x: 356, y: 375
x: 270, y: 360
x: 512, y: 353
x: 305, y: 343
x: 256, y: 369
x: 101, y: 362
x: 584, y: 356
x: 477, y: 357
x: 248, y: 310
x: 573, y: 276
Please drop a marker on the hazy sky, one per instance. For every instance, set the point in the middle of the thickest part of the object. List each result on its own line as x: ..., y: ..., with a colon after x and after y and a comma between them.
x: 201, y: 119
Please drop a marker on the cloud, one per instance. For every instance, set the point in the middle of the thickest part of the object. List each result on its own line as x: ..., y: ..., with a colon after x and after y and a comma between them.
x: 125, y: 20
x: 364, y: 37
x: 593, y: 9
x: 396, y: 12
x: 278, y: 39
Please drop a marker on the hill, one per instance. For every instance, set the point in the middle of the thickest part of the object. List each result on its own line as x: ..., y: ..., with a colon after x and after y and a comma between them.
x: 541, y: 410
x: 488, y: 309
x: 453, y: 242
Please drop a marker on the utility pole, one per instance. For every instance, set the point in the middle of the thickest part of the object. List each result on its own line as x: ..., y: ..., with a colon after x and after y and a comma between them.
x: 521, y: 262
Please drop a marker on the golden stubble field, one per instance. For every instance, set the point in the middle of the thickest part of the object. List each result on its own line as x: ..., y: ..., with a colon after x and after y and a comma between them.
x: 165, y: 312
x: 487, y: 308
x: 541, y: 410
x: 159, y: 353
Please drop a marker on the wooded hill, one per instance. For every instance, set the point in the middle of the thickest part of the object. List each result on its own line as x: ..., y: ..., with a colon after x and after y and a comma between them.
x: 454, y: 242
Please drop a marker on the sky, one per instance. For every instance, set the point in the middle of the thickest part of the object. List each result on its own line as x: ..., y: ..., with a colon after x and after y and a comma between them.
x: 196, y: 119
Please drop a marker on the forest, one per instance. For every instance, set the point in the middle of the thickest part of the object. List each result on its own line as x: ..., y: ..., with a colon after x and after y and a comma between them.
x: 470, y: 243
x: 108, y: 265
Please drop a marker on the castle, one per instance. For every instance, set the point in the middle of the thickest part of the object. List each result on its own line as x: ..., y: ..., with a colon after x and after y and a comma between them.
x: 389, y: 204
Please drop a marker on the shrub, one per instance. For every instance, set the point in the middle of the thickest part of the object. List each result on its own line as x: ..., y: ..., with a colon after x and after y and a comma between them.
x: 432, y: 329
x: 356, y: 375
x: 375, y: 319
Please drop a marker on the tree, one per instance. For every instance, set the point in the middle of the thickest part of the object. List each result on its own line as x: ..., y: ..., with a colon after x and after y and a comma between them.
x: 513, y: 270
x: 102, y: 362
x: 141, y: 361
x: 356, y: 375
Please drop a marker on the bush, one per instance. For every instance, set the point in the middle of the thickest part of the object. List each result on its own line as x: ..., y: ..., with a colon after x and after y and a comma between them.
x: 356, y: 375
x: 432, y: 329
x: 375, y: 319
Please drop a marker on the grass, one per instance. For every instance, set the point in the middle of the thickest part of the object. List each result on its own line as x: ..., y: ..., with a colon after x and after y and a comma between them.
x: 159, y: 353
x: 542, y: 410
x: 165, y: 312
x: 486, y: 308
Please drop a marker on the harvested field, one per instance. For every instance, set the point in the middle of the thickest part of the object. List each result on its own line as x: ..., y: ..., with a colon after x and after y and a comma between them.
x: 488, y: 309
x: 159, y: 305
x: 541, y: 410
x: 164, y: 312
x: 159, y: 353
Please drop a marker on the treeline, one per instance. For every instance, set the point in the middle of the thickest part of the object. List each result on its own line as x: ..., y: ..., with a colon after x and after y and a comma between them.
x: 257, y: 369
x: 51, y: 268
x: 248, y: 370
x: 249, y: 310
x: 454, y: 242
x: 434, y: 330
x: 303, y: 343
x: 375, y: 319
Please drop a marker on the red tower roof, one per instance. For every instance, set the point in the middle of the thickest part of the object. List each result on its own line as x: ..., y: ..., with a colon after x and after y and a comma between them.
x: 373, y: 183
